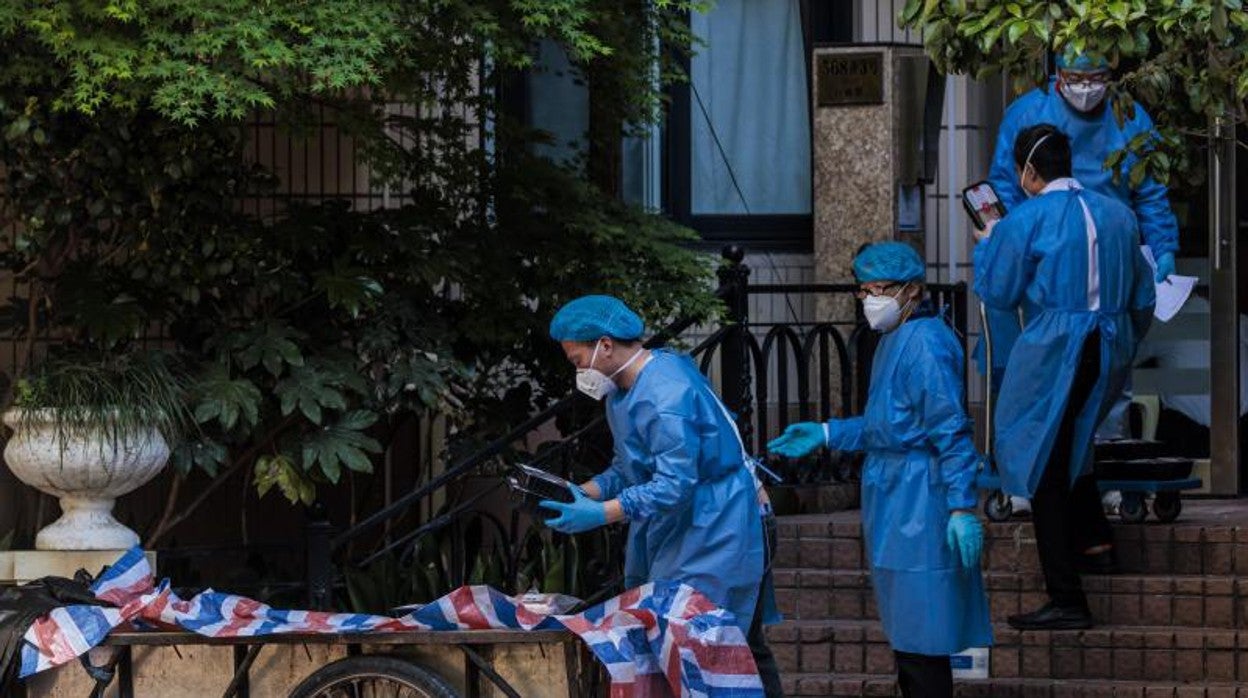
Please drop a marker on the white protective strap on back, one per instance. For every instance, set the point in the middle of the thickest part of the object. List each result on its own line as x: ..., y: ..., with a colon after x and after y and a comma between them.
x: 745, y: 455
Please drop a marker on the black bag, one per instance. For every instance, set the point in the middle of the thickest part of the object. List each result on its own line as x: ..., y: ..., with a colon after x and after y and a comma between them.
x: 530, y: 485
x: 21, y: 606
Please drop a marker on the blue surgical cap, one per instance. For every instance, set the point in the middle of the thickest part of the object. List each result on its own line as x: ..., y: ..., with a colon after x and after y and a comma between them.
x: 1080, y: 62
x: 889, y: 261
x: 591, y: 317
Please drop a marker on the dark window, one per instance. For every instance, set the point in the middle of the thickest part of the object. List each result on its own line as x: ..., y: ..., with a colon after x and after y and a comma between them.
x: 738, y: 134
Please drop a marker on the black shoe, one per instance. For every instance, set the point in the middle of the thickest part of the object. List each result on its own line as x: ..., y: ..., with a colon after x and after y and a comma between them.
x: 1104, y: 562
x: 1053, y: 617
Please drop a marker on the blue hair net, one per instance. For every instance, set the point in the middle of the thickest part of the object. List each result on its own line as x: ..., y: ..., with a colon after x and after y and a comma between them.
x: 588, y: 318
x: 889, y: 261
x: 1081, y: 62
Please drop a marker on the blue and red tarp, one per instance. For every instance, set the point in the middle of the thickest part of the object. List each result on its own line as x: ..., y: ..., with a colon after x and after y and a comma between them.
x: 656, y: 640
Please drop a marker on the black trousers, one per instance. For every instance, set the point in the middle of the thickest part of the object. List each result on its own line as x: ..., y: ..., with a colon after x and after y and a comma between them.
x: 924, y: 675
x: 768, y: 670
x: 1069, y: 520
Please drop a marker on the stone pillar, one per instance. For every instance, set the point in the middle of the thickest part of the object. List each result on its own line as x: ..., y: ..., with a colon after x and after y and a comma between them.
x: 867, y: 131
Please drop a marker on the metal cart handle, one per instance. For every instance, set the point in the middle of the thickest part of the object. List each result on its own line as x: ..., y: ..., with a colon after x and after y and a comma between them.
x: 988, y: 394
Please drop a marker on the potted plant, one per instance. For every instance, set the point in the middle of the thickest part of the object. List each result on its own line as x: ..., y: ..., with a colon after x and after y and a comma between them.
x: 88, y: 429
x: 86, y: 201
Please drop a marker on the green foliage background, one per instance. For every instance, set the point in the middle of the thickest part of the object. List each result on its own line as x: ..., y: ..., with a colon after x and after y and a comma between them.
x: 1185, y: 61
x: 308, y: 335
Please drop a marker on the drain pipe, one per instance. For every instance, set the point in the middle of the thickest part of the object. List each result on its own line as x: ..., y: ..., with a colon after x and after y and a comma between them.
x: 951, y: 184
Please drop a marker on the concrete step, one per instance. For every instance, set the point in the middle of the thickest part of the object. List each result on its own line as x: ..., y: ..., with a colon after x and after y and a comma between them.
x: 1105, y: 653
x: 1128, y: 599
x: 839, y: 685
x: 847, y: 685
x: 1208, y: 545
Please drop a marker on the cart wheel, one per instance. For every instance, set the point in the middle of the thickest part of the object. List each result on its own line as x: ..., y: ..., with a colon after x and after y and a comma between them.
x: 1166, y: 506
x: 998, y: 507
x: 1133, y: 508
x: 373, y: 675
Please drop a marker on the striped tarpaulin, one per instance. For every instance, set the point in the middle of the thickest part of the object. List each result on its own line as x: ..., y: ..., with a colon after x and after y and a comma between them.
x: 656, y: 640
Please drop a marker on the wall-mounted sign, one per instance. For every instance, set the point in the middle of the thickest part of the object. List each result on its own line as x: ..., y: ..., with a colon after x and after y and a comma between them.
x: 849, y: 78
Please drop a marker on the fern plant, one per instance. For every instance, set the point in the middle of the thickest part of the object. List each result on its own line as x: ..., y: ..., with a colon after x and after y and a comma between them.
x: 117, y: 395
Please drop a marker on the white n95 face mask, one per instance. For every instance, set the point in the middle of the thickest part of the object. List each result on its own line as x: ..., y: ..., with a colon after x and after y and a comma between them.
x: 1085, y: 96
x: 595, y: 383
x: 883, y: 312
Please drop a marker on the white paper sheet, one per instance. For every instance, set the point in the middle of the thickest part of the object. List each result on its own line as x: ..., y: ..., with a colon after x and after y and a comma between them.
x: 1171, y: 293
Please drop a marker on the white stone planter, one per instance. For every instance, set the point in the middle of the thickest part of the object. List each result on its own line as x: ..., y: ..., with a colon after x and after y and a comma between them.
x: 87, y: 474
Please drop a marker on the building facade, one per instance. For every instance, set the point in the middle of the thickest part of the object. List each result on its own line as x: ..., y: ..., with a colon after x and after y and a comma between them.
x: 736, y: 159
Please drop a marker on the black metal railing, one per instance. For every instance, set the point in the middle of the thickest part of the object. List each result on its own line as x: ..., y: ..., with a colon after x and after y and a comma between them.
x: 825, y: 365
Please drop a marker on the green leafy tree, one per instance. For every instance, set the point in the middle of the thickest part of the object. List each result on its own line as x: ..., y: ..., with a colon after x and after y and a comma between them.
x: 1186, y: 62
x: 197, y: 60
x: 309, y: 335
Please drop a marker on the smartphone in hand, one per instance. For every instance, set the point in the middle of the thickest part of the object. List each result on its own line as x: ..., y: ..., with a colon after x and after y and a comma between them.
x: 982, y: 204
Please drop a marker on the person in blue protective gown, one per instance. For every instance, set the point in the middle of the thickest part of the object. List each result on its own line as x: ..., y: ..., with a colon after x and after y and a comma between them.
x: 1076, y: 102
x: 918, y: 483
x: 678, y: 475
x: 1072, y: 256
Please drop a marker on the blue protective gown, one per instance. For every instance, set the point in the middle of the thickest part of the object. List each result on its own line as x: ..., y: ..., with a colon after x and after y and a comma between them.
x: 679, y: 474
x: 920, y: 465
x: 1039, y: 256
x: 1093, y: 138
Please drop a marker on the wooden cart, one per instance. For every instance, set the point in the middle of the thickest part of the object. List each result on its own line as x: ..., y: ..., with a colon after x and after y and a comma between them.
x: 416, y: 664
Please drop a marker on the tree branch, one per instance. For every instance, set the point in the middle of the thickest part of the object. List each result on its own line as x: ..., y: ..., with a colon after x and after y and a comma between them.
x: 167, y: 523
x: 32, y: 329
x: 21, y: 274
x: 171, y: 500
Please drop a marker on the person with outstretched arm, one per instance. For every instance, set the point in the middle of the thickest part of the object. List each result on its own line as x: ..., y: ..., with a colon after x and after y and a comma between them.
x: 923, y: 539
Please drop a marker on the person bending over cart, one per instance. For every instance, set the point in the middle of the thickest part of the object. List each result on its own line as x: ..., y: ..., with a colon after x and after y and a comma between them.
x: 678, y: 475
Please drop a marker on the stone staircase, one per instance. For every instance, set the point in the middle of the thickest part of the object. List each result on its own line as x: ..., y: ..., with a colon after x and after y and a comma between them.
x: 1174, y: 624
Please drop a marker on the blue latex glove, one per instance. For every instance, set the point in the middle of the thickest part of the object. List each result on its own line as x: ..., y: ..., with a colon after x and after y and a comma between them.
x: 1165, y: 266
x: 583, y: 514
x: 965, y: 537
x: 798, y: 440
